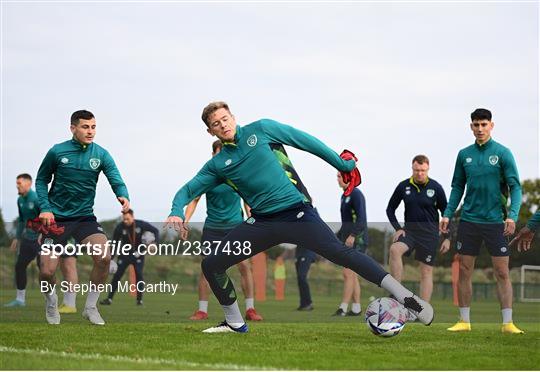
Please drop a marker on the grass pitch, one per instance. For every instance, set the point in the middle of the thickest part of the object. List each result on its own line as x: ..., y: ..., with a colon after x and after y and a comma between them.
x: 160, y: 336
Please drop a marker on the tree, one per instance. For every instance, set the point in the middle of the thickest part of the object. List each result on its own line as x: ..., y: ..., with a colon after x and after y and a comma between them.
x: 4, y: 237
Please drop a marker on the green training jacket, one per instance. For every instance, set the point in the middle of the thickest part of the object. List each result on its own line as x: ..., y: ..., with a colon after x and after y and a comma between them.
x: 251, y: 168
x: 76, y: 169
x: 28, y: 210
x: 534, y: 222
x: 488, y: 171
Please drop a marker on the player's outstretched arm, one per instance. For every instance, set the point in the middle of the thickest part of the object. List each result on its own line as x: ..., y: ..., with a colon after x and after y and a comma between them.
x: 393, y: 203
x: 511, y: 177
x: 190, y: 209
x: 115, y: 180
x: 44, y: 177
x: 287, y: 135
x: 204, y: 181
x: 525, y: 236
x: 458, y: 188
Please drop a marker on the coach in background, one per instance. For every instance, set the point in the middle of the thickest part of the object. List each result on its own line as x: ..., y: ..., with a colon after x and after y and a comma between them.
x: 488, y: 170
x: 423, y: 198
x: 133, y: 232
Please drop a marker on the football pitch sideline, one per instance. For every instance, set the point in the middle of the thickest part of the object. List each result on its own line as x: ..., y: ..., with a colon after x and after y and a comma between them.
x: 159, y: 335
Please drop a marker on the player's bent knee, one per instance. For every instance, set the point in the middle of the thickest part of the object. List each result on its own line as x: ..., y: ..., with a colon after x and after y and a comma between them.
x: 46, y: 274
x: 502, y: 274
x: 102, y: 261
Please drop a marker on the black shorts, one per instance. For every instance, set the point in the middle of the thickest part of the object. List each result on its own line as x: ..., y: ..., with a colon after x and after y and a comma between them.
x: 209, y: 236
x: 470, y: 236
x: 424, y: 246
x: 79, y: 228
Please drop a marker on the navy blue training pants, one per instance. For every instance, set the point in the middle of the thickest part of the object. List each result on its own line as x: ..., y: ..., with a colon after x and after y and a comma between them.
x: 301, y: 225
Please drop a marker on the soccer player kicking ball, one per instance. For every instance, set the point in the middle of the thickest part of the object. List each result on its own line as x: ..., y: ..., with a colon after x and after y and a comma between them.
x: 224, y: 212
x: 488, y: 170
x: 67, y: 208
x: 279, y: 211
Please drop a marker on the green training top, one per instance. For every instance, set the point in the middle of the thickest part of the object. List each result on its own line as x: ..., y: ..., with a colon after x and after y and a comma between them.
x: 223, y: 208
x: 76, y: 169
x: 28, y: 210
x: 251, y: 168
x: 488, y: 170
x: 534, y: 222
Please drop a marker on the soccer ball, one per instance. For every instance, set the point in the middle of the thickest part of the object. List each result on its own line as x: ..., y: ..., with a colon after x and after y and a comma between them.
x: 386, y: 317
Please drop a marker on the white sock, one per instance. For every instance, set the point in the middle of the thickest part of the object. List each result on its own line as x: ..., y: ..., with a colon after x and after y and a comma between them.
x: 21, y: 295
x: 395, y: 288
x: 233, y: 316
x: 91, y: 300
x: 50, y: 295
x: 356, y: 308
x: 507, y: 315
x: 465, y: 314
x: 344, y: 306
x: 203, y: 306
x: 250, y: 303
x: 70, y: 299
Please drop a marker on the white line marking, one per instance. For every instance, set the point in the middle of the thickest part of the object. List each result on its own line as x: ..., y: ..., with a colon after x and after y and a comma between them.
x: 121, y: 358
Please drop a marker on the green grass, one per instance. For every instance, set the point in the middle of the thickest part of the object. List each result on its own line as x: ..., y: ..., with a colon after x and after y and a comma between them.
x: 159, y: 336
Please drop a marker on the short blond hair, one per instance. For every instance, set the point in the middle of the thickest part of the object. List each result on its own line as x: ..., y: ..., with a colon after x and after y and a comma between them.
x: 211, y: 108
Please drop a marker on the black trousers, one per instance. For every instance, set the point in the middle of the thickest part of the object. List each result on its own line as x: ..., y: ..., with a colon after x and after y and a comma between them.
x: 28, y: 250
x: 301, y: 225
x: 123, y: 263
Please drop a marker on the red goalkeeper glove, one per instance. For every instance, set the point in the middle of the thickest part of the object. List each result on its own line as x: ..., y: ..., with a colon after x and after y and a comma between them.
x: 353, y: 178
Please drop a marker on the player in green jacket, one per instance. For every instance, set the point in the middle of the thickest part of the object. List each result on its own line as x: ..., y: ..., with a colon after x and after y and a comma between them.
x: 488, y: 170
x: 69, y: 204
x: 27, y: 204
x: 280, y: 212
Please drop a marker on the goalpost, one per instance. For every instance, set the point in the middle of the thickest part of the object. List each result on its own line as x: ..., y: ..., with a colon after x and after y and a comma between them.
x: 523, y: 293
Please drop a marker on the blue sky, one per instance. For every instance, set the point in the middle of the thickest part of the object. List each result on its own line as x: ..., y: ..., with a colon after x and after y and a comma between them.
x: 387, y: 81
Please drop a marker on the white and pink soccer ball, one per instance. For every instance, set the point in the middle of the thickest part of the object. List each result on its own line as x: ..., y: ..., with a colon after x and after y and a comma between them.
x: 386, y: 317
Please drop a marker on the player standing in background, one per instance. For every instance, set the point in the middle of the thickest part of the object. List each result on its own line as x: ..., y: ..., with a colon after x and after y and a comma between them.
x: 69, y: 206
x: 487, y: 169
x: 136, y: 233
x: 354, y: 234
x: 423, y: 198
x: 279, y: 211
x: 28, y: 206
x: 304, y: 259
x: 224, y: 212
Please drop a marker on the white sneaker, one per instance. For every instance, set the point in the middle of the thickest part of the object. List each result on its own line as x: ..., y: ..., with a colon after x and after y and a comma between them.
x: 92, y: 314
x: 51, y: 308
x: 411, y: 317
x: 223, y: 327
x: 422, y: 309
